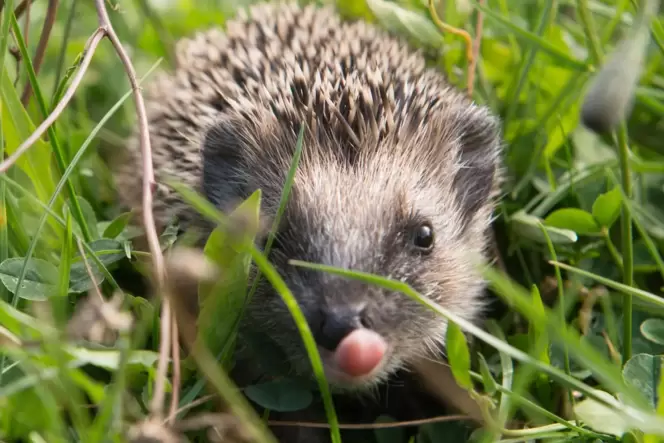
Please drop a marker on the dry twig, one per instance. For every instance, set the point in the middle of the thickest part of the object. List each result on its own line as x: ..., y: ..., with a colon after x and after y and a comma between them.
x: 388, y: 425
x: 175, y: 398
x: 20, y: 9
x: 156, y: 406
x: 88, y: 52
x: 472, y: 45
x: 26, y: 23
x: 49, y: 20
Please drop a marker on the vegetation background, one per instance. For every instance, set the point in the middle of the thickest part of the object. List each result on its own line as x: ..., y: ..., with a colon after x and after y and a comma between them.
x: 580, y: 231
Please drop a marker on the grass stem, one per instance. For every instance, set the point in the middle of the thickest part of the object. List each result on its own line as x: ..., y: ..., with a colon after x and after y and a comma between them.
x: 627, y: 240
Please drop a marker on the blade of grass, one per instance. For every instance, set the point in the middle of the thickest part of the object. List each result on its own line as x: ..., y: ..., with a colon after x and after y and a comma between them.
x: 577, y: 178
x: 543, y: 22
x: 627, y: 238
x: 63, y: 48
x: 53, y: 344
x: 307, y: 337
x: 207, y: 209
x: 655, y: 26
x: 52, y: 136
x: 519, y: 298
x: 17, y: 126
x: 646, y: 296
x: 98, y: 432
x: 533, y: 39
x: 622, y: 146
x: 615, y: 20
x: 645, y: 236
x: 590, y: 32
x: 562, y: 100
x: 524, y: 402
x: 4, y: 231
x: 561, y: 304
x: 285, y: 194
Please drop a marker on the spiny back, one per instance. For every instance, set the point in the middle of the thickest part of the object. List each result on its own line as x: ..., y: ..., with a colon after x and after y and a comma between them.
x: 353, y: 85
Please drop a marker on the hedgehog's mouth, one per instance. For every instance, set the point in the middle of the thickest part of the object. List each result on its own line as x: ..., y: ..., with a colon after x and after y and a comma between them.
x: 358, y: 361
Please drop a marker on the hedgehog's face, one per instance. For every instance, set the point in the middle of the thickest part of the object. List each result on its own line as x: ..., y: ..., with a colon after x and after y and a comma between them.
x: 418, y: 220
x: 374, y: 221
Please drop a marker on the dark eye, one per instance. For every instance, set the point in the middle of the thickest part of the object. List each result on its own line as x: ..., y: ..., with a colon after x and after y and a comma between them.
x: 423, y: 237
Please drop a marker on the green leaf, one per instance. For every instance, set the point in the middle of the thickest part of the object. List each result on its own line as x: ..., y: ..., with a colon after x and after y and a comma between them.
x: 222, y: 301
x: 19, y: 323
x: 41, y: 278
x: 280, y: 395
x: 561, y: 130
x: 89, y: 216
x: 110, y: 360
x: 16, y: 128
x: 117, y: 226
x: 458, y: 355
x: 606, y: 208
x: 487, y: 379
x: 26, y: 410
x: 573, y: 219
x: 528, y: 226
x: 399, y: 19
x: 643, y: 372
x: 653, y: 330
x: 108, y: 251
x: 537, y: 330
x: 660, y: 394
x: 65, y: 258
x: 60, y: 305
x: 601, y: 418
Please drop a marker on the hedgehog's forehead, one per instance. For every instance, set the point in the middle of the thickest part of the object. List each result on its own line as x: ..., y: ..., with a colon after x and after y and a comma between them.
x: 351, y: 196
x: 343, y: 216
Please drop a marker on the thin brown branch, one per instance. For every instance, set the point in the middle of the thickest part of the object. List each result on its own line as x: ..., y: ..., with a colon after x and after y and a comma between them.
x: 472, y: 63
x: 396, y: 424
x: 49, y: 20
x: 444, y: 27
x: 157, y: 404
x: 175, y: 397
x: 21, y: 8
x: 88, y: 52
x: 26, y: 23
x: 193, y: 404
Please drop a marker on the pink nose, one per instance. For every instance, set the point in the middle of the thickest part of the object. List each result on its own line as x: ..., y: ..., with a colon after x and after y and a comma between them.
x: 360, y: 352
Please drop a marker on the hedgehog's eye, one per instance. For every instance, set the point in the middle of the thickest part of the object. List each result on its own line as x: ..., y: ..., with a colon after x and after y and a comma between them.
x: 423, y: 237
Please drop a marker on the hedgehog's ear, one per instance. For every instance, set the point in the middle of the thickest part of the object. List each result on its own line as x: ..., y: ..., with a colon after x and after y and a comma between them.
x: 224, y: 179
x: 478, y: 158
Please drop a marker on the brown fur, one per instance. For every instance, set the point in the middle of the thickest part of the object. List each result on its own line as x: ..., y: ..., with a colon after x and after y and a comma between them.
x: 388, y: 143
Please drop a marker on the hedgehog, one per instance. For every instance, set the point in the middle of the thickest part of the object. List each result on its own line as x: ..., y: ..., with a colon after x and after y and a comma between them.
x: 399, y: 176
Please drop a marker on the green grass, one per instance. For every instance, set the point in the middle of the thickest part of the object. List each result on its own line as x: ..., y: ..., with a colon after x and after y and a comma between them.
x: 577, y: 353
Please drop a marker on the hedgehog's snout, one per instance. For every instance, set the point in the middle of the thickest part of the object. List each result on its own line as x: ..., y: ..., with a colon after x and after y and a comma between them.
x: 350, y: 349
x: 332, y: 325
